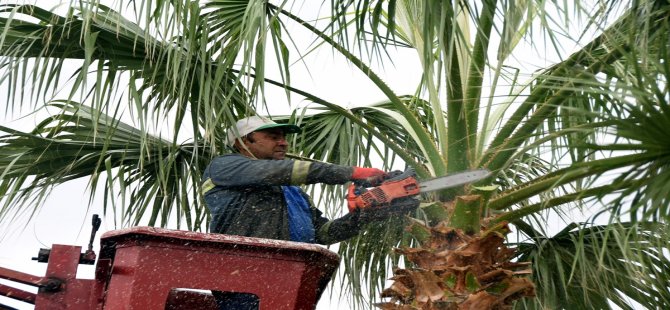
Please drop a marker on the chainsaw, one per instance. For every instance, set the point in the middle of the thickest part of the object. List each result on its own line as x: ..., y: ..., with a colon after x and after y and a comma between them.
x: 403, y: 185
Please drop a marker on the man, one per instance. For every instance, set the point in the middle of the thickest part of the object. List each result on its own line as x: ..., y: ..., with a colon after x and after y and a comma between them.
x: 254, y: 192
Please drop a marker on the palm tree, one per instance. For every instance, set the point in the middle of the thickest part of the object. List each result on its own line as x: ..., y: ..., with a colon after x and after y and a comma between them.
x: 588, y: 132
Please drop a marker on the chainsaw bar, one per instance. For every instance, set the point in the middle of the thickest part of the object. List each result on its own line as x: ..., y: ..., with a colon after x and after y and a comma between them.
x: 452, y: 180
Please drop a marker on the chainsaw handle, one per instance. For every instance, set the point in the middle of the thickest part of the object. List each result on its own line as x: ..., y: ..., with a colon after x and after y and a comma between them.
x: 396, y: 175
x: 383, y: 195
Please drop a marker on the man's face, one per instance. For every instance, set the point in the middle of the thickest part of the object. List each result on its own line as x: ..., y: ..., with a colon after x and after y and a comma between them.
x: 266, y: 144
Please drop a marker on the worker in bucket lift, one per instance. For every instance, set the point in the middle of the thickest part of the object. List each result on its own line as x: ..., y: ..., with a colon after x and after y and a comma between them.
x: 254, y: 192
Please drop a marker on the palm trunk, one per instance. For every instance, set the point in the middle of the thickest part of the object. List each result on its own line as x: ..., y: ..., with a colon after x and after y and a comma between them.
x: 458, y: 265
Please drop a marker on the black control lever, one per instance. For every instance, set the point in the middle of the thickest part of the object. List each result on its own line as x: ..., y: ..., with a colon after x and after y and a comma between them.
x: 95, y: 222
x: 88, y: 257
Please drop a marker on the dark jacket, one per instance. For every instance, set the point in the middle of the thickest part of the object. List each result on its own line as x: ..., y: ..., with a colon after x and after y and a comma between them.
x: 245, y: 198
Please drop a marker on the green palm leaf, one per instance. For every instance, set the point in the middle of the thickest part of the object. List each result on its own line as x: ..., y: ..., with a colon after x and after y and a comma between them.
x: 145, y: 178
x: 589, y: 266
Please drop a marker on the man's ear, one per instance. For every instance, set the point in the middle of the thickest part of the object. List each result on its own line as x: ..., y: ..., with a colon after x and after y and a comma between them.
x: 240, y: 144
x: 249, y: 137
x: 241, y: 147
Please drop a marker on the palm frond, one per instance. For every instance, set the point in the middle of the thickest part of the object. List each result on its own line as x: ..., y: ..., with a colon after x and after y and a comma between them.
x: 588, y: 266
x: 163, y: 78
x: 145, y: 178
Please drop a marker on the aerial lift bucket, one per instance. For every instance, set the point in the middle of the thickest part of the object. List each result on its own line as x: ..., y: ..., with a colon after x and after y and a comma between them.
x: 153, y: 268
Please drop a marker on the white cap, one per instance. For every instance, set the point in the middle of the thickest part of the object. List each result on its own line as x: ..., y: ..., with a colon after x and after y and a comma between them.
x: 250, y: 124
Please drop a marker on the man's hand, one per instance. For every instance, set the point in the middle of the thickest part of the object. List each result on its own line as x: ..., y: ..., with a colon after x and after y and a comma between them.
x: 368, y: 177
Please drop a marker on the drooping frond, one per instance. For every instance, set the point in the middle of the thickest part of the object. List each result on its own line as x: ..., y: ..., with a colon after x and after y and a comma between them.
x: 143, y: 178
x: 177, y: 78
x: 588, y: 266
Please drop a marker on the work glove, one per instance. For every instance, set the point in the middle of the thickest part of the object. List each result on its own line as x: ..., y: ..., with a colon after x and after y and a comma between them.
x: 368, y: 177
x: 398, y: 207
x: 351, y: 223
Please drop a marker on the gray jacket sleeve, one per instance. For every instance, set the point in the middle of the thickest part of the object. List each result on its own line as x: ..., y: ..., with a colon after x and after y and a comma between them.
x: 339, y: 229
x: 238, y: 171
x: 349, y: 225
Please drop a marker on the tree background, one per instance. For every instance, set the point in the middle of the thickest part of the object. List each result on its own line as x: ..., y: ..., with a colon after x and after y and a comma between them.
x: 160, y: 216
